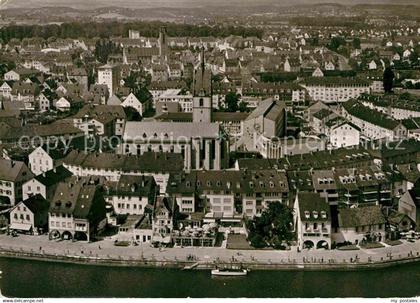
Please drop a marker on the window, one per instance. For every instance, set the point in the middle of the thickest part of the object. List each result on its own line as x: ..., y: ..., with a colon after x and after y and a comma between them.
x: 201, y: 102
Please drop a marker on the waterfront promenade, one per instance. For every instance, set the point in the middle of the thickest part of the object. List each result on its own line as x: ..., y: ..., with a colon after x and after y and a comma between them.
x: 39, y: 247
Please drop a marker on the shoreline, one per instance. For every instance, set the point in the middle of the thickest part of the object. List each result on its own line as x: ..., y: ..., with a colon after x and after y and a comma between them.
x: 206, y: 265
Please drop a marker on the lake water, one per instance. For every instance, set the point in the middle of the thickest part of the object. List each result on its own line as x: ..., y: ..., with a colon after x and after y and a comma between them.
x: 23, y: 278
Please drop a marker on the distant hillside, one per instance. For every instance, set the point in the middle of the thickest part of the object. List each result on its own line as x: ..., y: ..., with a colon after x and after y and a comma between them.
x: 87, y: 4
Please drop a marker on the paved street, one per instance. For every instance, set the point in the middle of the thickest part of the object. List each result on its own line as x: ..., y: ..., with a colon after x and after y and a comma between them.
x: 107, y: 249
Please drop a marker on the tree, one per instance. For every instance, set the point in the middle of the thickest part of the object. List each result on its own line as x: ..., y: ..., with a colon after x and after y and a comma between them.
x: 257, y: 241
x: 132, y: 114
x: 231, y: 100
x: 388, y: 79
x: 414, y: 57
x: 405, y: 96
x: 356, y: 43
x: 335, y: 43
x: 243, y: 107
x: 105, y: 48
x: 273, y: 228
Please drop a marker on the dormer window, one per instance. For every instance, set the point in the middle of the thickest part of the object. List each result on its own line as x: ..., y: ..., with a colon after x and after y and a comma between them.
x: 323, y: 214
x: 307, y: 214
x: 315, y: 214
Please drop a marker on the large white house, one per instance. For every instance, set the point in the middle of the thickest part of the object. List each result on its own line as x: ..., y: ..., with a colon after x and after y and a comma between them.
x: 30, y: 215
x: 131, y: 195
x: 312, y: 220
x: 334, y: 89
x: 108, y: 75
x: 134, y: 102
x: 344, y: 135
x: 41, y: 161
x: 12, y: 175
x: 374, y: 125
x: 45, y: 183
x: 100, y: 120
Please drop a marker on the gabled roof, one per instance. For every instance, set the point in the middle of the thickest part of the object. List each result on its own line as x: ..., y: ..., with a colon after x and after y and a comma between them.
x: 312, y: 207
x: 129, y: 185
x: 268, y: 108
x: 360, y: 216
x: 358, y: 110
x: 150, y: 130
x: 10, y: 169
x: 37, y: 204
x: 147, y: 162
x: 77, y: 197
x: 102, y: 113
x: 54, y: 176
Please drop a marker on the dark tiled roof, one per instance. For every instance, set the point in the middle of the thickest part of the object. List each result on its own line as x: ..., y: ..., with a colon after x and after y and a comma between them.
x: 356, y: 109
x: 37, y: 204
x: 312, y: 207
x: 129, y: 185
x: 54, y: 176
x: 148, y: 162
x: 360, y: 216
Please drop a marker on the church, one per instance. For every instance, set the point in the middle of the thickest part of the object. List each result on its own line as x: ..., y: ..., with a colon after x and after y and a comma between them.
x: 201, y: 142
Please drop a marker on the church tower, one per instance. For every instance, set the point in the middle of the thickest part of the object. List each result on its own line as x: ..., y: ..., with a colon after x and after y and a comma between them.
x: 202, y: 94
x: 163, y: 44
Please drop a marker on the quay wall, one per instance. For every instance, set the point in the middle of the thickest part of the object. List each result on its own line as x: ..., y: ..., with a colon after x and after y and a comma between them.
x: 290, y: 265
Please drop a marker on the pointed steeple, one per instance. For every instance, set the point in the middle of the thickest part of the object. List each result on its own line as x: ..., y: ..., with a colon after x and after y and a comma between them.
x: 202, y: 60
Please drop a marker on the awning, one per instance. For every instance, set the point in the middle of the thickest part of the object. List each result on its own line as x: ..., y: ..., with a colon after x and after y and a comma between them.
x: 21, y: 226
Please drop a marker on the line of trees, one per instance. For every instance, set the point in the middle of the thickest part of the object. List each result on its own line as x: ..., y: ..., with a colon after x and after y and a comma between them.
x: 109, y: 29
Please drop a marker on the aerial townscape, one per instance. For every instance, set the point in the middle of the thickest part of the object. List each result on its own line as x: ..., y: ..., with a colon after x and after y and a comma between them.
x: 285, y: 138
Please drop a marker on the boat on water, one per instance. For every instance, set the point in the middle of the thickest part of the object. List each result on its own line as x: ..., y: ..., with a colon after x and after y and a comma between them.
x: 229, y: 272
